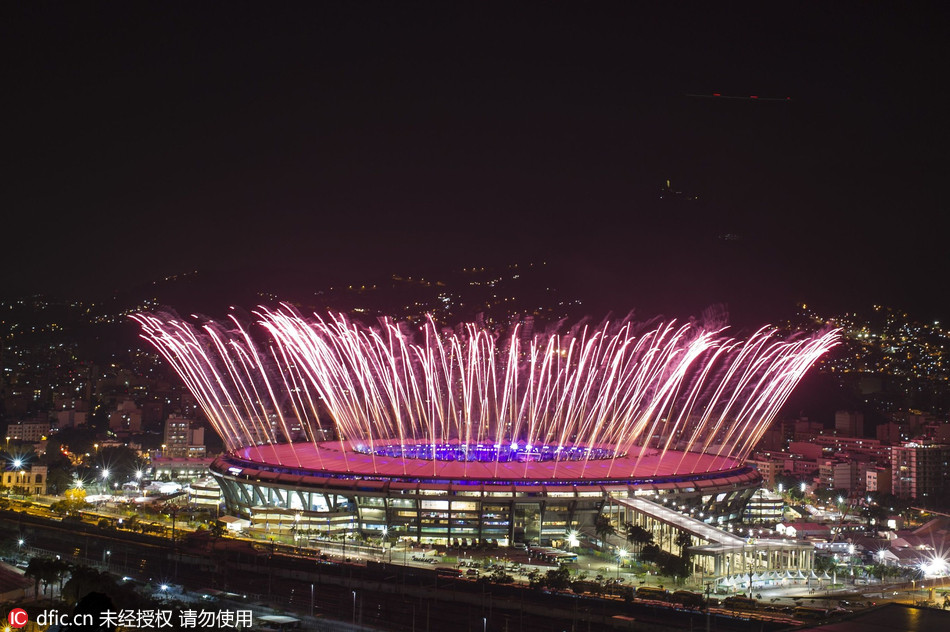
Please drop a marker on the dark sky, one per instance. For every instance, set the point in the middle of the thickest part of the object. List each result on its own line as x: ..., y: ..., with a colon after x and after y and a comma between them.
x: 145, y: 139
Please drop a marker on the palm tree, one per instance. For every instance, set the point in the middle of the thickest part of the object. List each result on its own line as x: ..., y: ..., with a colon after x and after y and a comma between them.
x: 65, y: 572
x: 35, y: 570
x: 603, y: 527
x: 683, y: 540
x: 638, y: 536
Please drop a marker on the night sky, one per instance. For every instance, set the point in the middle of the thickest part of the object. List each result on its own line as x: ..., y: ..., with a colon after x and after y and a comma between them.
x: 301, y: 140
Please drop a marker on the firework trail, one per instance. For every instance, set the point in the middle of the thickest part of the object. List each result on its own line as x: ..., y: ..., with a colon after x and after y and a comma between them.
x: 605, y: 392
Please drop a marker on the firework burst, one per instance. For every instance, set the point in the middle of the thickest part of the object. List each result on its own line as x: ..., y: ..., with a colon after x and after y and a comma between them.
x: 612, y: 392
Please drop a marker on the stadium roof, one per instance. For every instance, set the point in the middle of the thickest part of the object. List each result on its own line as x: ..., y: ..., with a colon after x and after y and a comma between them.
x: 328, y: 457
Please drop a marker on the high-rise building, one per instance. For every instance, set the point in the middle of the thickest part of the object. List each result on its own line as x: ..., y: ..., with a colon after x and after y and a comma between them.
x: 182, y: 440
x: 920, y: 471
x: 769, y: 468
x: 849, y: 424
x: 839, y: 474
x: 892, y: 432
x: 33, y: 430
x: 127, y: 417
x: 878, y: 479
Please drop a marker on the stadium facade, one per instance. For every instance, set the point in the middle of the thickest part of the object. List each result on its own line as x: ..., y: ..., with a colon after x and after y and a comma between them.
x: 283, y: 491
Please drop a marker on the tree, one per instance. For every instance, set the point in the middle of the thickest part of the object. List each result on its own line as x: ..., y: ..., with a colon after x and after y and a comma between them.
x: 650, y: 553
x: 131, y: 522
x: 84, y: 580
x: 875, y: 515
x: 499, y: 576
x: 683, y: 540
x: 878, y: 570
x: 121, y: 460
x: 60, y: 570
x: 59, y: 473
x: 217, y: 530
x: 45, y: 571
x: 831, y: 496
x: 674, y: 566
x: 825, y: 563
x: 35, y: 571
x: 791, y: 485
x: 535, y: 580
x: 603, y: 527
x: 638, y: 536
x: 558, y: 579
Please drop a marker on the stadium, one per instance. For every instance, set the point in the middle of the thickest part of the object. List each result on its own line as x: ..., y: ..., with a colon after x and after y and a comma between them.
x: 467, y: 435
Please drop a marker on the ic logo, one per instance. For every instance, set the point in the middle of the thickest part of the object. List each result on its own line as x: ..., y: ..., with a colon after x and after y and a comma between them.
x: 18, y: 617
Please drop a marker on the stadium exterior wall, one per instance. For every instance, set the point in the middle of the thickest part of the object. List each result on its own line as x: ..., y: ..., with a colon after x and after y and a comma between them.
x: 316, y: 504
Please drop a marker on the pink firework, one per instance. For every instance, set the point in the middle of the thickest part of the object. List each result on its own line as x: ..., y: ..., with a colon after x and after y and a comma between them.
x: 608, y: 393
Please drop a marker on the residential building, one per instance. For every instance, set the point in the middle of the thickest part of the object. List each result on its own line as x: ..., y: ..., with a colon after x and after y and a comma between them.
x: 32, y: 431
x: 182, y: 440
x: 849, y: 423
x: 839, y: 474
x: 768, y: 468
x: 920, y: 470
x: 126, y: 417
x: 878, y: 479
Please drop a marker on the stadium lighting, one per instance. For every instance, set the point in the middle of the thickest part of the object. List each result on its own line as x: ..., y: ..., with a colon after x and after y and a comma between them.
x: 572, y: 540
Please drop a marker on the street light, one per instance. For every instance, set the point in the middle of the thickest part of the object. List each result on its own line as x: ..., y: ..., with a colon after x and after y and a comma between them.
x: 621, y: 556
x: 851, y: 561
x: 385, y: 534
x: 572, y: 540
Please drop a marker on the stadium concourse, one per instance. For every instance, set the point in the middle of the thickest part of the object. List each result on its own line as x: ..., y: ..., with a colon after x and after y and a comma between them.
x: 723, y: 557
